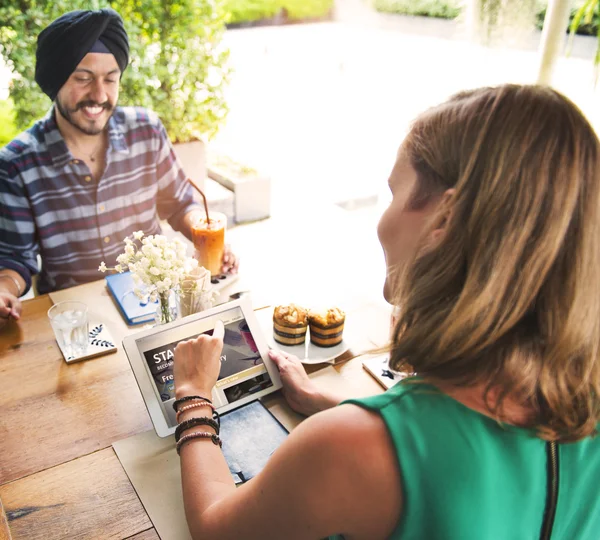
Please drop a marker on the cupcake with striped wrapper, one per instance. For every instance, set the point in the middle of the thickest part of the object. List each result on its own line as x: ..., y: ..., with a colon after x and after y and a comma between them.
x: 289, y: 324
x: 326, y: 327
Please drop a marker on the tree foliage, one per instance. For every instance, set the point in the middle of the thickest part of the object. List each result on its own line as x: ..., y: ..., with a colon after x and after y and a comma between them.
x: 177, y: 67
x: 241, y: 11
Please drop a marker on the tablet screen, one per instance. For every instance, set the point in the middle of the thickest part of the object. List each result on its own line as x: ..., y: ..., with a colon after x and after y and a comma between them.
x: 242, y: 369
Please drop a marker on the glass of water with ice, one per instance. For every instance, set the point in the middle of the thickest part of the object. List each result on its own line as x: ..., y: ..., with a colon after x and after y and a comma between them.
x: 69, y: 321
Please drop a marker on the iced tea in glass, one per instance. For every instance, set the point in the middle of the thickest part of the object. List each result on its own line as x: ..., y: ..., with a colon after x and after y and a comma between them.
x: 209, y: 241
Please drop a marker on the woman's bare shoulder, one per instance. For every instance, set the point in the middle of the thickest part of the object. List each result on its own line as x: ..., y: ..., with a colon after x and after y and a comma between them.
x: 336, y: 473
x: 363, y: 467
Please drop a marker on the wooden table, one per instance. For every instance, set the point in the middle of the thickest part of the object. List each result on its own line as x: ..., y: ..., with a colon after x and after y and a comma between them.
x: 59, y: 476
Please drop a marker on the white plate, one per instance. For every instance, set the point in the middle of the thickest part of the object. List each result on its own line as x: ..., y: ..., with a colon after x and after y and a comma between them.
x: 308, y: 353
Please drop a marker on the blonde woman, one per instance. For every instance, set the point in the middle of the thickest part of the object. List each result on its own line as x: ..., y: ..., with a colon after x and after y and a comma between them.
x: 492, y: 243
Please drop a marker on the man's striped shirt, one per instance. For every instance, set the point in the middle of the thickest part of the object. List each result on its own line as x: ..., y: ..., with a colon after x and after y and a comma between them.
x: 50, y: 205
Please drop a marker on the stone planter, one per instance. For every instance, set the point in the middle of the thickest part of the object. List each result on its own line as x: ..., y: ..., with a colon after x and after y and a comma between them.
x: 252, y: 190
x: 192, y: 156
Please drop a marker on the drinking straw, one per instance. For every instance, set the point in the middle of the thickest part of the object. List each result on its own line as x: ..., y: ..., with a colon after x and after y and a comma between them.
x: 203, y: 198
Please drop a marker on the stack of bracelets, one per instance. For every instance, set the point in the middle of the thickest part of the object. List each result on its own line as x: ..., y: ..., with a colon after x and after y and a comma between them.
x: 194, y: 402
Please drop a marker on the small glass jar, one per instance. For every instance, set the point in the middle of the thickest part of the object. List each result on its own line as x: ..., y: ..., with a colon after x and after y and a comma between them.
x: 168, y: 309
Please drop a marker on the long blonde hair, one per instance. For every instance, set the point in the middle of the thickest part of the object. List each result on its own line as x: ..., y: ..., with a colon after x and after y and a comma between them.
x: 510, y: 296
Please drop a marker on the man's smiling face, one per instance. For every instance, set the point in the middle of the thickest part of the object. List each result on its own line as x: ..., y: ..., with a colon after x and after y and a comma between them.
x: 88, y: 98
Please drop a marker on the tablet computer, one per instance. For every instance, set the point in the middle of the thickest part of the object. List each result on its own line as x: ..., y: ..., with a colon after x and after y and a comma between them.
x: 247, y: 372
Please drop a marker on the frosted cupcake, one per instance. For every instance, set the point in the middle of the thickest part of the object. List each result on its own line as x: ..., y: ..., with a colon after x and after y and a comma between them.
x: 326, y: 327
x: 289, y: 324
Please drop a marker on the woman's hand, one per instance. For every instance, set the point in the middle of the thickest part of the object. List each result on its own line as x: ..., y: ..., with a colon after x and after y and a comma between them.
x: 230, y: 263
x: 300, y: 392
x: 197, y: 364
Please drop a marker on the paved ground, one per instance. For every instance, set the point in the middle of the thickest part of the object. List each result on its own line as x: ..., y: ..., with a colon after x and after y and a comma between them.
x: 323, y: 107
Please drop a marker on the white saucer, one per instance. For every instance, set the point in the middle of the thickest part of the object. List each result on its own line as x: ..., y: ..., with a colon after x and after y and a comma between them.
x: 100, y: 342
x: 308, y: 353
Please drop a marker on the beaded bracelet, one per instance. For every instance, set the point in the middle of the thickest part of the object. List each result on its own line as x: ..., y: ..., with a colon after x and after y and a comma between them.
x: 199, y: 435
x: 189, y: 398
x: 193, y: 422
x: 196, y: 405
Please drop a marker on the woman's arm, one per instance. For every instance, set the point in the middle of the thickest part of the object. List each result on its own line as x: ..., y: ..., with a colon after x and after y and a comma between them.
x: 300, y: 392
x: 336, y: 473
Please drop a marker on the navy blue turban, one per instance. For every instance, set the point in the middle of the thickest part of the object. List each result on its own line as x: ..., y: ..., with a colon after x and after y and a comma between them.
x: 64, y: 43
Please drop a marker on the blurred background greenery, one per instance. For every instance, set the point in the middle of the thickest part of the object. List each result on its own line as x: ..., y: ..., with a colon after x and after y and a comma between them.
x: 8, y: 128
x: 178, y: 66
x: 246, y: 11
x: 450, y: 9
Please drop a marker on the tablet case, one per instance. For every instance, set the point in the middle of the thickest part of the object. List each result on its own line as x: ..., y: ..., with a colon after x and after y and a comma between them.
x: 250, y: 435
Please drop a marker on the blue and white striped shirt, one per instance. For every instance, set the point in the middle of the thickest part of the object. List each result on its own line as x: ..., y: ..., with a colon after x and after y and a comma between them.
x: 50, y: 205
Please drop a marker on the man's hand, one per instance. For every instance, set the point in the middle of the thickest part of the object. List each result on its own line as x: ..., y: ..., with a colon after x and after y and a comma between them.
x: 230, y: 263
x: 10, y: 306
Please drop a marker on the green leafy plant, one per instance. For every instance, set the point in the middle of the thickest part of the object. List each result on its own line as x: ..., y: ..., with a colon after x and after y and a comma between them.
x: 503, y: 19
x: 449, y: 9
x: 8, y: 128
x: 442, y: 9
x: 241, y: 11
x: 588, y: 15
x: 583, y: 29
x: 178, y: 67
x: 307, y: 9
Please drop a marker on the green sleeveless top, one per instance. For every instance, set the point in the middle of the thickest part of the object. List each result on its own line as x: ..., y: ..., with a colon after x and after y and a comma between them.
x: 466, y: 477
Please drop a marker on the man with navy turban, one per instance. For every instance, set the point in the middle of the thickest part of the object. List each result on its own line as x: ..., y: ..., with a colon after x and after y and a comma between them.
x: 88, y: 174
x: 65, y: 43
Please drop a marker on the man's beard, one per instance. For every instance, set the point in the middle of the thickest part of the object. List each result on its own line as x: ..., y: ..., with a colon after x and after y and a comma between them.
x: 67, y: 115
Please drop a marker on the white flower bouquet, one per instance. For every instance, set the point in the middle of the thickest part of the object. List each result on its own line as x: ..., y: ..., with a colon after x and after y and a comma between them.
x: 159, y: 267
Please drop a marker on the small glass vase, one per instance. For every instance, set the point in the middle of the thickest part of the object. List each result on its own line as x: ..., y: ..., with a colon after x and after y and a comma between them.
x: 196, y: 301
x: 168, y: 309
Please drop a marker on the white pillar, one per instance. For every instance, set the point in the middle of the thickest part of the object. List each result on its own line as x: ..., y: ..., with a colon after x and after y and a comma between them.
x: 553, y: 38
x: 473, y: 19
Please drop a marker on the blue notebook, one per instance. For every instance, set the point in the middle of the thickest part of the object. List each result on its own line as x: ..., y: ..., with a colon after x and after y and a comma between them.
x: 134, y: 310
